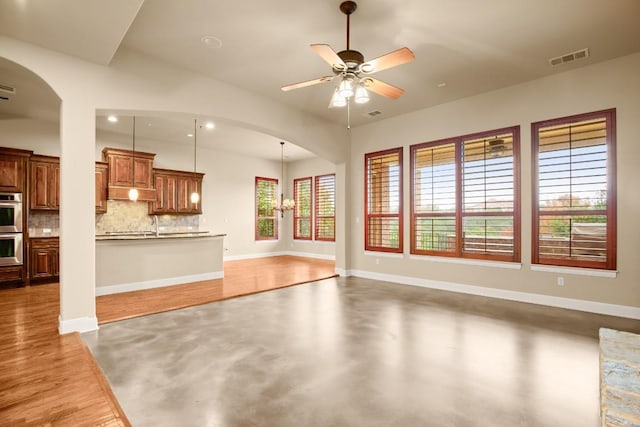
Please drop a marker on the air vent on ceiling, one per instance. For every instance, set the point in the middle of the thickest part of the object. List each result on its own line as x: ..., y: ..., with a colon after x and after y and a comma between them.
x: 569, y: 57
x: 373, y: 113
x: 7, y: 89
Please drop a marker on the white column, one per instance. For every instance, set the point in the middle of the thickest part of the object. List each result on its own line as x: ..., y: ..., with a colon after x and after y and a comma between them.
x: 77, y: 217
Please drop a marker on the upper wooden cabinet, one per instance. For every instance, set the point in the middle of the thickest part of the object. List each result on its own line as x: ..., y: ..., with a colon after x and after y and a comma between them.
x: 102, y: 180
x: 13, y: 166
x: 173, y: 192
x: 121, y: 170
x: 44, y: 183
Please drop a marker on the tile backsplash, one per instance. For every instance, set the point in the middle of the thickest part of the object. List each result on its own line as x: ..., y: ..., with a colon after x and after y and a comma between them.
x: 120, y: 216
x: 134, y: 216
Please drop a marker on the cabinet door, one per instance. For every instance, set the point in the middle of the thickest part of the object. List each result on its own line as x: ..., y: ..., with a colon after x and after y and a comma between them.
x: 40, y: 184
x: 144, y: 172
x: 184, y: 204
x: 43, y: 263
x: 101, y: 188
x: 172, y: 193
x: 120, y: 170
x: 54, y: 186
x: 12, y: 174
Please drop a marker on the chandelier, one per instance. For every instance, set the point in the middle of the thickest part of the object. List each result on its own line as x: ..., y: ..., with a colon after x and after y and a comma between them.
x: 285, y: 204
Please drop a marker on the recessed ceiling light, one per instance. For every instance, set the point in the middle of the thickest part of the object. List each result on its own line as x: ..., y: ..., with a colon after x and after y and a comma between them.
x: 211, y: 42
x: 443, y: 84
x: 190, y: 135
x: 209, y: 125
x: 112, y: 119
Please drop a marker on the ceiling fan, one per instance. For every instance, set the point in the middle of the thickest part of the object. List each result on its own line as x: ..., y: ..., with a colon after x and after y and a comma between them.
x: 350, y: 66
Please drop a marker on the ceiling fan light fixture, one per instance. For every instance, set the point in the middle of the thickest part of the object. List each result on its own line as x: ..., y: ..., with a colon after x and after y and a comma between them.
x: 362, y: 96
x: 345, y: 89
x: 338, y: 100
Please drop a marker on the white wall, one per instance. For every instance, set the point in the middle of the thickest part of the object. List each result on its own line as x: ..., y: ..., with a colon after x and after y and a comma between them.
x: 304, y: 169
x: 613, y: 84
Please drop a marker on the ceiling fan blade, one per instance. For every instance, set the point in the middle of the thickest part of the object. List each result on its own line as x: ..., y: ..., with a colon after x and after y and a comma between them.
x: 382, y: 88
x: 307, y: 83
x: 329, y: 55
x: 391, y: 59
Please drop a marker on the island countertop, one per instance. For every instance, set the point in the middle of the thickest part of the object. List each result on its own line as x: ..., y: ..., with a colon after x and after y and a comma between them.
x: 150, y: 235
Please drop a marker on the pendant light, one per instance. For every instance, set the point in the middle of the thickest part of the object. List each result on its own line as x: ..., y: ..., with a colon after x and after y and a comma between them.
x: 133, y: 192
x: 285, y: 204
x: 195, y: 197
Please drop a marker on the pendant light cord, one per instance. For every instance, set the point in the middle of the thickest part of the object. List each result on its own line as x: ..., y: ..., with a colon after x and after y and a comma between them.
x: 195, y: 144
x: 133, y: 156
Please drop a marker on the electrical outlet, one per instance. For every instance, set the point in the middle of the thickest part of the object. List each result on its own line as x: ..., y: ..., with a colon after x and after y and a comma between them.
x: 560, y: 281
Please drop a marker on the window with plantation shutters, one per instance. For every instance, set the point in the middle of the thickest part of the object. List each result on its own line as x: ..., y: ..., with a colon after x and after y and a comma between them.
x: 266, y: 218
x: 383, y: 201
x: 574, y: 214
x: 325, y: 212
x: 302, y: 211
x: 465, y: 196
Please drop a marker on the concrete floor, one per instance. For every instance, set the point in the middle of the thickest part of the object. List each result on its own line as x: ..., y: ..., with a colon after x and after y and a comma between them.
x: 356, y: 352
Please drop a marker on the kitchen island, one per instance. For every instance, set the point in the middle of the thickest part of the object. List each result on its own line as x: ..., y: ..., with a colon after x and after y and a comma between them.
x: 134, y: 261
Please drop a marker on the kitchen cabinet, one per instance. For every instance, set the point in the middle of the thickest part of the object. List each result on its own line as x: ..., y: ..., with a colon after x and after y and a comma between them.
x: 102, y: 180
x: 44, y: 257
x: 44, y: 183
x: 121, y: 174
x: 13, y: 166
x: 173, y: 192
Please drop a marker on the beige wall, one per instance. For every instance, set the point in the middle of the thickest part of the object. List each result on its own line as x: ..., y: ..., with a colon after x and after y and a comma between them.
x: 613, y: 84
x: 303, y: 169
x: 138, y: 84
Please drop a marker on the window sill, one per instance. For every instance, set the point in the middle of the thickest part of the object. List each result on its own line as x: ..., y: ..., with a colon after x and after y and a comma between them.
x: 576, y: 270
x: 467, y: 261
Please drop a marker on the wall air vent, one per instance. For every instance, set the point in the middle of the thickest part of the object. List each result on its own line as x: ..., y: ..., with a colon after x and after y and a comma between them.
x: 6, y: 91
x: 373, y: 113
x: 569, y: 57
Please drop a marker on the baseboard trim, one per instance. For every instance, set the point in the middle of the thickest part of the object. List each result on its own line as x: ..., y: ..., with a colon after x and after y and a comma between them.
x: 552, y: 301
x: 80, y: 324
x: 281, y: 253
x: 252, y: 256
x: 159, y: 283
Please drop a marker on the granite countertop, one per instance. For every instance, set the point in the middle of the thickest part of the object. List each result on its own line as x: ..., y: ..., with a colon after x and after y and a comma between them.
x: 150, y: 235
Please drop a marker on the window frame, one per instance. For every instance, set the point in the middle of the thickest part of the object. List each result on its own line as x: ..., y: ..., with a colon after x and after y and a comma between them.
x: 611, y: 211
x: 256, y: 210
x: 317, y: 216
x: 296, y: 236
x: 399, y: 215
x: 459, y: 213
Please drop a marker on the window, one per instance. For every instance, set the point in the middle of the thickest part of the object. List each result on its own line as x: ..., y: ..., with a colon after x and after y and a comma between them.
x: 383, y: 201
x: 574, y: 201
x: 465, y: 196
x: 302, y: 210
x: 266, y: 219
x: 325, y: 207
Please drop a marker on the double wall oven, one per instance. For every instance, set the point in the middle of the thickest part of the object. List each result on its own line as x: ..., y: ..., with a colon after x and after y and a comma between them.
x: 11, y: 237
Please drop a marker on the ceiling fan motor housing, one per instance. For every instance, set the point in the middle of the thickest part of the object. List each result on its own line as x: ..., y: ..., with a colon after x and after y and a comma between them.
x: 352, y: 58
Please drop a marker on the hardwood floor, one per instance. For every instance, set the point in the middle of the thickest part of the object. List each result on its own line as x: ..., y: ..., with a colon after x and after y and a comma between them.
x: 46, y: 378
x: 240, y: 278
x: 50, y: 379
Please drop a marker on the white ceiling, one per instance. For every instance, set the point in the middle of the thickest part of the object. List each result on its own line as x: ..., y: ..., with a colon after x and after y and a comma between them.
x: 472, y: 46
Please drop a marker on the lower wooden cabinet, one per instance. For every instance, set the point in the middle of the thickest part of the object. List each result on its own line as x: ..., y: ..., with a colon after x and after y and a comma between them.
x: 44, y: 258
